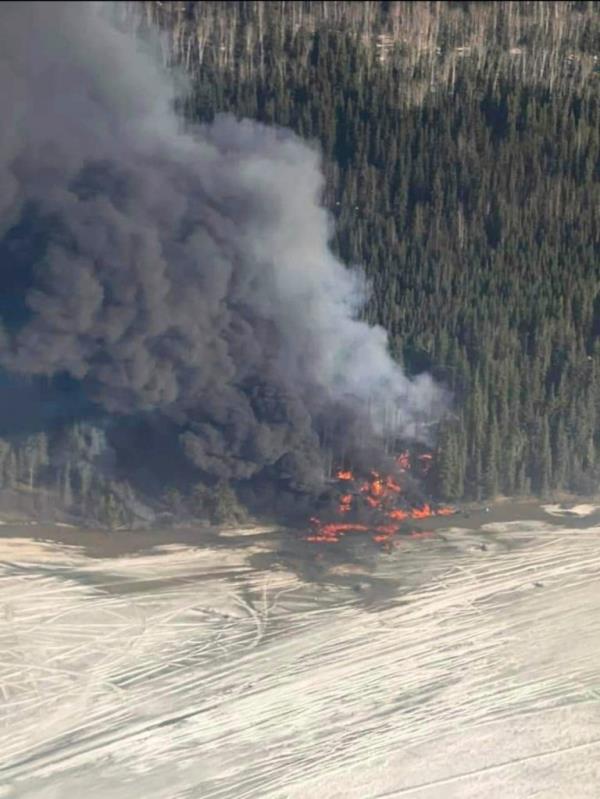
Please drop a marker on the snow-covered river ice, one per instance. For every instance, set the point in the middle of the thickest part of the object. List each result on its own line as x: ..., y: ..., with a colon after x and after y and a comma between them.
x: 465, y: 664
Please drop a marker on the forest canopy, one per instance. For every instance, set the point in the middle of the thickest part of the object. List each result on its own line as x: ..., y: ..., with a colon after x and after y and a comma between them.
x: 460, y: 145
x: 462, y: 152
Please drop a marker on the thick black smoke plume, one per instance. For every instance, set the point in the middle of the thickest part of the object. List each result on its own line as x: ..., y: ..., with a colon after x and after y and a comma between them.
x: 185, y: 273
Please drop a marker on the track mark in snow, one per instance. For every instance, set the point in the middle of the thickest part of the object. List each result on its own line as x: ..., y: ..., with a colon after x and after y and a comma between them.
x: 260, y: 686
x: 486, y: 769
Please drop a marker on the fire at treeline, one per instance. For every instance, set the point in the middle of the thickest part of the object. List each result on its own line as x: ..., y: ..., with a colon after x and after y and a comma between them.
x: 379, y: 504
x: 129, y: 472
x: 178, y: 340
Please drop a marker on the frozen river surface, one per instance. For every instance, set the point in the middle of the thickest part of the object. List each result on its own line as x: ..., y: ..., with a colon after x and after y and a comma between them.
x: 466, y: 664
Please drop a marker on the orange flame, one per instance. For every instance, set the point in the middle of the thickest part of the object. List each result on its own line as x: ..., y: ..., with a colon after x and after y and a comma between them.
x: 377, y: 487
x: 421, y: 513
x: 403, y: 461
x: 345, y: 503
x: 399, y: 515
x: 344, y: 475
x: 378, y: 493
x: 392, y: 485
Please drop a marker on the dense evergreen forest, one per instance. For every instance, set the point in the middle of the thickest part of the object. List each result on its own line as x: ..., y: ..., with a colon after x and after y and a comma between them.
x: 461, y: 151
x: 461, y: 146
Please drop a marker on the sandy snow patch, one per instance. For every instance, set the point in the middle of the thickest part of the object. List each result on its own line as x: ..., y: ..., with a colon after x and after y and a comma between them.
x: 576, y: 510
x: 235, y: 532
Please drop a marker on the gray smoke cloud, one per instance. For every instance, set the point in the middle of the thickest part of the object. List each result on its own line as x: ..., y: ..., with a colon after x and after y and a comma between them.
x: 185, y: 272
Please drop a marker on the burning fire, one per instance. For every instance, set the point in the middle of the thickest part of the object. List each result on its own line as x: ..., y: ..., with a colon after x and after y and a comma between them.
x: 403, y: 461
x: 345, y: 503
x: 341, y: 475
x: 383, y: 496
